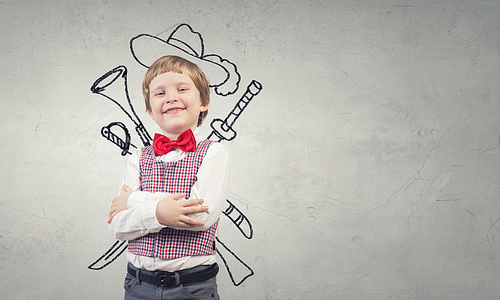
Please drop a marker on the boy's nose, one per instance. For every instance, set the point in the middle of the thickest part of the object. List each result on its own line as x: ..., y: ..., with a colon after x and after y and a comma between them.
x: 171, y: 100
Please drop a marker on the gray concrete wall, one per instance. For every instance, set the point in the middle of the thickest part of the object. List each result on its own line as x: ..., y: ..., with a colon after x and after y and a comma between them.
x: 367, y: 166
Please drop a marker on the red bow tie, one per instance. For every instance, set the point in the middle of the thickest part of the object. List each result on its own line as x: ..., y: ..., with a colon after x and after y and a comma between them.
x: 185, y: 142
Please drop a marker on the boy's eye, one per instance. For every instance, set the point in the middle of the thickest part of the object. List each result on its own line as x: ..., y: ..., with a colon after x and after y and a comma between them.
x: 160, y: 93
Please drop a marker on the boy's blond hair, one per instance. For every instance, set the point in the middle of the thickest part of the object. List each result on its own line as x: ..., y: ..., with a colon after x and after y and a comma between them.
x: 182, y: 66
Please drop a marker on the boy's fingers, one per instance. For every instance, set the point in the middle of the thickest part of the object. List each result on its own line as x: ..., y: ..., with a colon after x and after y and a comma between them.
x: 111, y: 216
x: 178, y: 196
x: 196, y: 209
x: 126, y: 188
x: 192, y: 202
x: 190, y: 222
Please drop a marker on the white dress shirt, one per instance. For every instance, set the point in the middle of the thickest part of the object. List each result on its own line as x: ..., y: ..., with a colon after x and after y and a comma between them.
x: 140, y: 219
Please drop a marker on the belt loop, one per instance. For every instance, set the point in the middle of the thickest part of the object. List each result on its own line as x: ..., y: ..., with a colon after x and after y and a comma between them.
x: 177, y: 279
x: 138, y: 275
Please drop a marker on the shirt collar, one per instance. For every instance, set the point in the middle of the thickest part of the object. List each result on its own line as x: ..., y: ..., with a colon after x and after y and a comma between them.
x: 197, y: 135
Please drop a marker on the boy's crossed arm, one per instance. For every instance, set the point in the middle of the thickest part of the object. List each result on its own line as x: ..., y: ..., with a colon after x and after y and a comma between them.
x: 145, y: 212
x: 170, y: 211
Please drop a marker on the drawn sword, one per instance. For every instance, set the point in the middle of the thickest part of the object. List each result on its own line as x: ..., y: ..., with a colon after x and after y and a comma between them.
x: 222, y: 129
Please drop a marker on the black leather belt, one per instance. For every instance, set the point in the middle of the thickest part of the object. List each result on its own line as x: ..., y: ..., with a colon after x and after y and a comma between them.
x: 162, y: 278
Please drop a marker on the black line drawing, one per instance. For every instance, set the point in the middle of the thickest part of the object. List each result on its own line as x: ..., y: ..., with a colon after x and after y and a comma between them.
x: 107, y: 133
x: 118, y: 248
x: 238, y: 220
x: 186, y: 43
x: 223, y: 128
x: 225, y: 79
x: 227, y: 265
x: 100, y: 86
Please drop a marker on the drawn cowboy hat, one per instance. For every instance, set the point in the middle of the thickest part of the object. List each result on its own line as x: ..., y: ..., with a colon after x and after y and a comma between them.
x: 182, y: 42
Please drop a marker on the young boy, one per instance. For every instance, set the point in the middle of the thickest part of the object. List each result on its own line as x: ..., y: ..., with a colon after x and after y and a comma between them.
x: 171, y: 248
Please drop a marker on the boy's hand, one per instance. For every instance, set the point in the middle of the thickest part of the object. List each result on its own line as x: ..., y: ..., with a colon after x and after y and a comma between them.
x: 119, y: 203
x: 171, y: 212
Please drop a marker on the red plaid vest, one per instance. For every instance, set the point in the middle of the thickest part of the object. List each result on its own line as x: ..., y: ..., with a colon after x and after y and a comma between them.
x: 173, y: 177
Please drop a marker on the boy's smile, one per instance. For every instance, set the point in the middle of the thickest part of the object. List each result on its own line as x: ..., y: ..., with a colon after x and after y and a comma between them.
x: 175, y: 103
x: 174, y: 110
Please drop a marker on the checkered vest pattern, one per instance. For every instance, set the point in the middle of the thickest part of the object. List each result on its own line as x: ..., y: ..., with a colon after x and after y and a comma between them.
x: 173, y: 177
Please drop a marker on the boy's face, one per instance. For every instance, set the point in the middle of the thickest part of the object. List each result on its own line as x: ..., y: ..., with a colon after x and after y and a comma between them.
x: 175, y: 103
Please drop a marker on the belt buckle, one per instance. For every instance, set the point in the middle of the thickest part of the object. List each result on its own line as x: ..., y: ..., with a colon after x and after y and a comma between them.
x: 167, y: 280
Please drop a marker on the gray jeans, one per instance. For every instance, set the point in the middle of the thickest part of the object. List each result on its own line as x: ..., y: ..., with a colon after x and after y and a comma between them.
x: 205, y: 290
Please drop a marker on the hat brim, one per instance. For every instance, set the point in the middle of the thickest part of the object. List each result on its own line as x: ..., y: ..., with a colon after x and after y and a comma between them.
x: 146, y: 49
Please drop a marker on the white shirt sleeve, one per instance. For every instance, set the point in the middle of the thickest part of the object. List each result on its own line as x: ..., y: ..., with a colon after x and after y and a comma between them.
x: 212, y: 186
x: 140, y: 217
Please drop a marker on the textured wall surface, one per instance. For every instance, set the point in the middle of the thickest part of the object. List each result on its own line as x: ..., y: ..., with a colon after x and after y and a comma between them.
x: 368, y: 165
